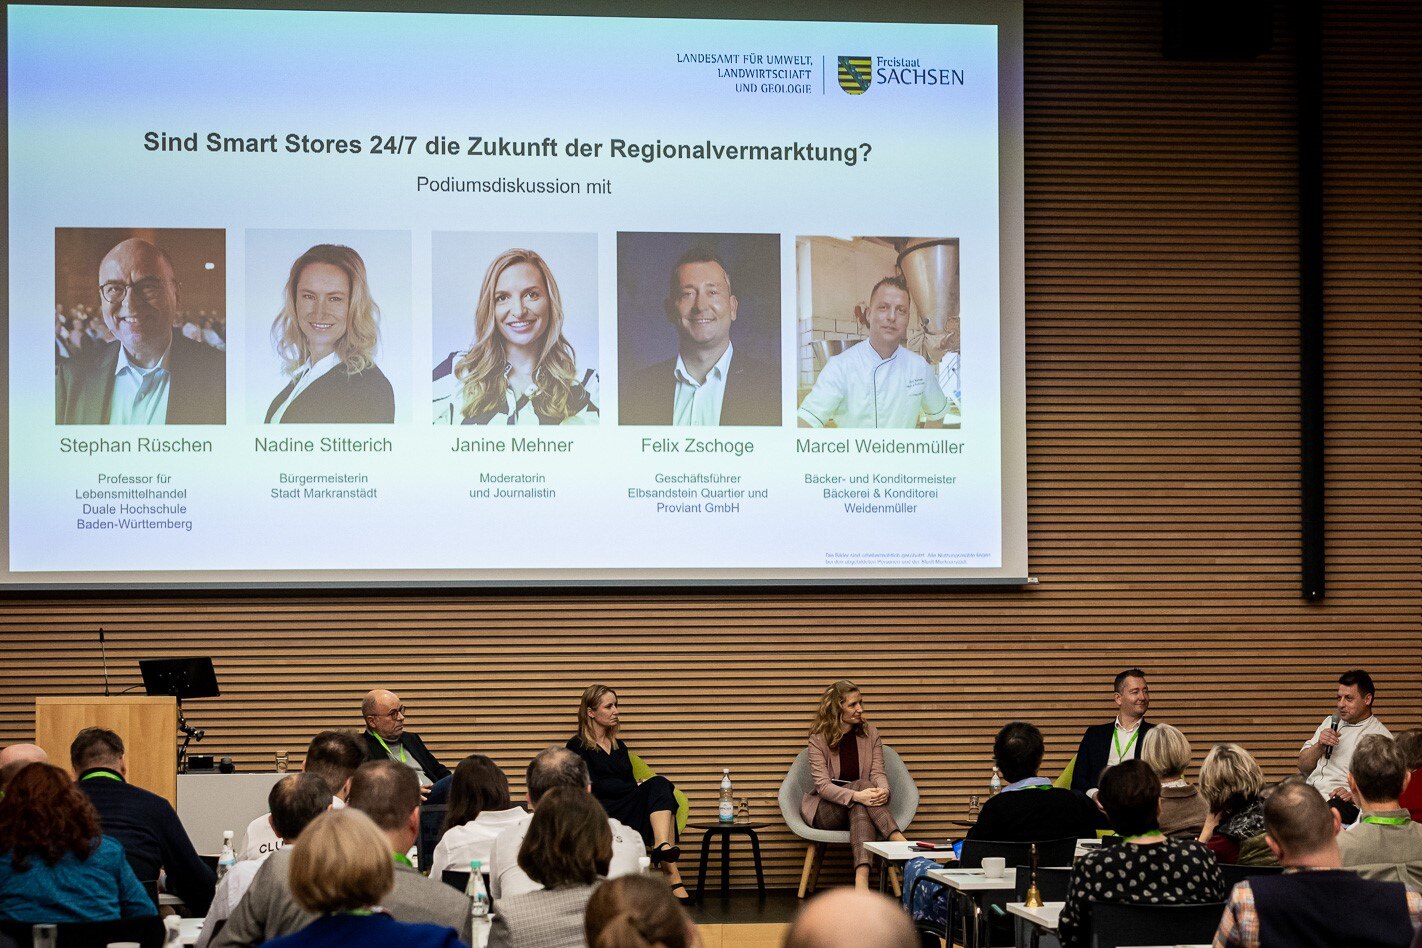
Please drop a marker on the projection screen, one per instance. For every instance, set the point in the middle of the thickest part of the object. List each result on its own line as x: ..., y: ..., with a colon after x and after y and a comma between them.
x: 307, y: 298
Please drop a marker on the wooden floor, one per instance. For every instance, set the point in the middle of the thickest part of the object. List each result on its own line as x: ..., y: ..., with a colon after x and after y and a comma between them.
x: 752, y: 935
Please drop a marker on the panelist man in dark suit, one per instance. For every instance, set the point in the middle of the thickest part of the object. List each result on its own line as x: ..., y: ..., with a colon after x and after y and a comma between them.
x: 1104, y: 745
x: 710, y: 382
x: 148, y: 375
x: 387, y: 739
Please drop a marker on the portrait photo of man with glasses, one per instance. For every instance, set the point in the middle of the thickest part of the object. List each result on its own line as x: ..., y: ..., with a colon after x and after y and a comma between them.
x: 140, y: 327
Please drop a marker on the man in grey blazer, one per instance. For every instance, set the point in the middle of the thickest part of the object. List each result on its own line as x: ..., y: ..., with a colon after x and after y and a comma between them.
x: 389, y: 793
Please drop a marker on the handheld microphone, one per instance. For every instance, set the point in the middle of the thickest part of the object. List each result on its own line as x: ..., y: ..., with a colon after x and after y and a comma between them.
x: 104, y: 655
x: 1328, y: 751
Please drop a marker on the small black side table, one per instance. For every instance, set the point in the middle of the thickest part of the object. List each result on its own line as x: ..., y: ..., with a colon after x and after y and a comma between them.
x: 726, y: 831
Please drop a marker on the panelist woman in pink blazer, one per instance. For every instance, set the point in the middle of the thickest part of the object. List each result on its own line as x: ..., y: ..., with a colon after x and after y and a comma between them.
x: 847, y: 764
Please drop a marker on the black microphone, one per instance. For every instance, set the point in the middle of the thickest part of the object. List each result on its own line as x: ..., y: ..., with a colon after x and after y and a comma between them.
x: 1328, y: 750
x: 104, y: 654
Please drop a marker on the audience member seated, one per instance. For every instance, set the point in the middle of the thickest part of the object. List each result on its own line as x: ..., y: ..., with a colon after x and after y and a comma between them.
x: 54, y: 865
x: 1047, y: 812
x: 1315, y: 903
x: 851, y: 918
x: 1410, y: 744
x: 1232, y: 783
x: 1182, y: 809
x: 1385, y: 844
x: 386, y: 737
x: 389, y: 793
x: 333, y: 756
x: 341, y: 873
x: 1148, y: 868
x: 479, y: 810
x: 152, y: 836
x: 17, y: 757
x: 851, y: 790
x: 294, y: 801
x: 566, y: 851
x: 648, y: 807
x: 553, y: 768
x: 638, y: 912
x: 1105, y: 745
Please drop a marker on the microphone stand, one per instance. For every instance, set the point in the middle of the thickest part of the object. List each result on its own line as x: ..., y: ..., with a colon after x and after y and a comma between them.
x: 190, y: 733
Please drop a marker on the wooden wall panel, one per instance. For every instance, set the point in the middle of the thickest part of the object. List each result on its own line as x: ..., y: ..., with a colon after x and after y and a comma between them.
x: 1163, y: 484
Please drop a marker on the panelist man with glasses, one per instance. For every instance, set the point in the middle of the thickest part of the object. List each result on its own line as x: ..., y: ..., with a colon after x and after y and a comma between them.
x: 148, y: 375
x: 387, y: 739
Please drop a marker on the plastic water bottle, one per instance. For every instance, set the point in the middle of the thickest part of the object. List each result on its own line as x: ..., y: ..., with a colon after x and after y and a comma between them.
x: 995, y: 784
x: 227, y: 858
x: 727, y: 810
x: 172, y: 931
x: 478, y: 895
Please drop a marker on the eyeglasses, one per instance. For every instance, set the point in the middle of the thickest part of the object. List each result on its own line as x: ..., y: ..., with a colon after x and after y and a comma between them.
x: 149, y: 291
x: 393, y: 713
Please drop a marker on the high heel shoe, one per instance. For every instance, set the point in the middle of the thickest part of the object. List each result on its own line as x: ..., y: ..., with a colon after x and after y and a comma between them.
x: 683, y: 899
x: 665, y: 853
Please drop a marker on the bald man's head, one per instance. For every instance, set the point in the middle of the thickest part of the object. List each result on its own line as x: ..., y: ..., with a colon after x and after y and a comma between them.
x: 17, y: 757
x: 138, y: 298
x: 384, y: 714
x: 850, y: 918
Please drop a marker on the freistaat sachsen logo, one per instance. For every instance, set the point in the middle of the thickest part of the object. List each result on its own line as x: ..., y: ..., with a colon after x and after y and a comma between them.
x: 855, y: 74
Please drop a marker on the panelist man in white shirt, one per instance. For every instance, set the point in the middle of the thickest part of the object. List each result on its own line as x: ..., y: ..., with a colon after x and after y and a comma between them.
x: 877, y: 383
x: 1326, y: 758
x: 710, y: 383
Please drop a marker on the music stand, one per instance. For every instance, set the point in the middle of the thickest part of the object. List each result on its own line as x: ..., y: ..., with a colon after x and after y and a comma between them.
x: 181, y: 678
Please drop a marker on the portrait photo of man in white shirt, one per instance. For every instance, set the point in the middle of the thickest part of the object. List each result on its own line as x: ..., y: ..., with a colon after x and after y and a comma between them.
x: 725, y: 371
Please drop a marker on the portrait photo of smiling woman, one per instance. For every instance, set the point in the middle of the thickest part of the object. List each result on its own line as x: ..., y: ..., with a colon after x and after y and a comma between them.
x: 327, y: 333
x: 532, y: 356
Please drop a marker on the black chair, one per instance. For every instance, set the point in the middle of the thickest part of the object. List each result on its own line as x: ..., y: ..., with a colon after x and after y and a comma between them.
x: 147, y: 931
x: 1052, y: 882
x: 1114, y: 925
x: 1234, y: 873
x: 431, y: 829
x: 1051, y: 852
x: 455, y: 878
x: 151, y: 887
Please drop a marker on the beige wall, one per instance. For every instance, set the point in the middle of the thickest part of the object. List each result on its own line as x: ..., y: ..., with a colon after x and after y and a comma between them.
x: 1163, y: 454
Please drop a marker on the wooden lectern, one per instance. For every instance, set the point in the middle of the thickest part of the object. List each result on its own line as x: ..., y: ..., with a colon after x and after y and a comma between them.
x: 148, y: 726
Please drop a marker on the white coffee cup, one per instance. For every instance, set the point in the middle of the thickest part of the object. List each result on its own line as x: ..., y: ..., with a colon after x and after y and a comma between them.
x: 994, y: 867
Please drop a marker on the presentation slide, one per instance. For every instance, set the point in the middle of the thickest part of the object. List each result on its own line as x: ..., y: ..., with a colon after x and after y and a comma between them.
x: 390, y: 299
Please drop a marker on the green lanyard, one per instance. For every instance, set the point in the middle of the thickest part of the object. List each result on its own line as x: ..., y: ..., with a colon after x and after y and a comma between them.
x: 101, y: 773
x: 1121, y: 752
x: 1132, y: 839
x: 388, y: 751
x: 402, y: 859
x: 1387, y: 820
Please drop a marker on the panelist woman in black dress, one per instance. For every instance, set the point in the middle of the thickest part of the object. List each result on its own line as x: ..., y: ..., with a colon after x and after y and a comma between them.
x: 648, y: 807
